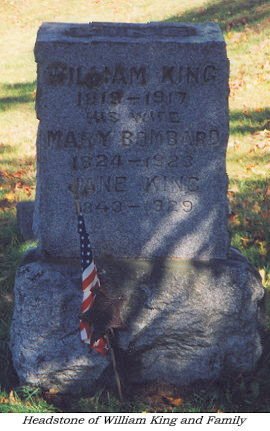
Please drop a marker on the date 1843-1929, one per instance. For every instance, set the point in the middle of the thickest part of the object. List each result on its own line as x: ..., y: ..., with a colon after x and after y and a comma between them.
x: 161, y: 205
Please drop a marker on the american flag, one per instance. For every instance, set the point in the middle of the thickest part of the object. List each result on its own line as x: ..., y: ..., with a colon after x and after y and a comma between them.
x: 90, y: 284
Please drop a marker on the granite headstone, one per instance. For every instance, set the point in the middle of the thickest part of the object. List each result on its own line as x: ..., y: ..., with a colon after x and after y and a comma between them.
x: 137, y: 116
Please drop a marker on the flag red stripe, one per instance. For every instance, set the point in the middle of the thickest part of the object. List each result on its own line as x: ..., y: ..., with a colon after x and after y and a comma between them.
x: 90, y: 283
x: 82, y: 325
x: 88, y: 280
x: 101, y: 346
x: 88, y: 302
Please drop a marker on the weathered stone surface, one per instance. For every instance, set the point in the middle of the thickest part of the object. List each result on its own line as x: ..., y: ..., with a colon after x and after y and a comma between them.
x: 25, y: 210
x: 137, y: 116
x: 45, y: 340
x: 185, y: 321
x: 193, y: 321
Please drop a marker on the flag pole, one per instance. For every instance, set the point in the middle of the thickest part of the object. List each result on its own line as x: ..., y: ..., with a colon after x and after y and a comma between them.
x: 116, y: 373
x: 78, y: 206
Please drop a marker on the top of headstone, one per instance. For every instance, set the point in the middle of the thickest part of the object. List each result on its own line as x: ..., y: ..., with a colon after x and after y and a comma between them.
x: 123, y: 32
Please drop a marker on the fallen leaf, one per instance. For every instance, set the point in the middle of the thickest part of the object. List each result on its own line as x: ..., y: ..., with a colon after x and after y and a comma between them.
x: 53, y: 391
x: 250, y: 166
x: 20, y: 173
x: 246, y: 241
x: 234, y: 188
x: 256, y: 207
x: 234, y: 219
x: 262, y: 273
x: 12, y: 398
x: 267, y: 191
x: 10, y: 196
x: 265, y: 215
x: 262, y: 247
x: 28, y: 190
x: 19, y: 185
x: 176, y: 402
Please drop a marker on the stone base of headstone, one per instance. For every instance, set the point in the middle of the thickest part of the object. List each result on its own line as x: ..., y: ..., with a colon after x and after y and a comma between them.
x: 184, y: 321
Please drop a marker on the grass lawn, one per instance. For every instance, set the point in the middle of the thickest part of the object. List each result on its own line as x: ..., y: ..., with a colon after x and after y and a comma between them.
x: 246, y: 26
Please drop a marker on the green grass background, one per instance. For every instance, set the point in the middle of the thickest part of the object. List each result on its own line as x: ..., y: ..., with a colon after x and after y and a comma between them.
x: 246, y: 27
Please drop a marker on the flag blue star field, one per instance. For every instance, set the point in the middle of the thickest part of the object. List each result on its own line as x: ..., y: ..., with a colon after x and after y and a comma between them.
x: 90, y: 283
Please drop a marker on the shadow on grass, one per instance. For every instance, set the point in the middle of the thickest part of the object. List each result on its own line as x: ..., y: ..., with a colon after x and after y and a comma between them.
x: 9, y: 258
x: 12, y: 249
x: 253, y: 160
x: 19, y: 87
x: 250, y: 221
x: 15, y: 94
x: 230, y: 14
x: 249, y: 122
